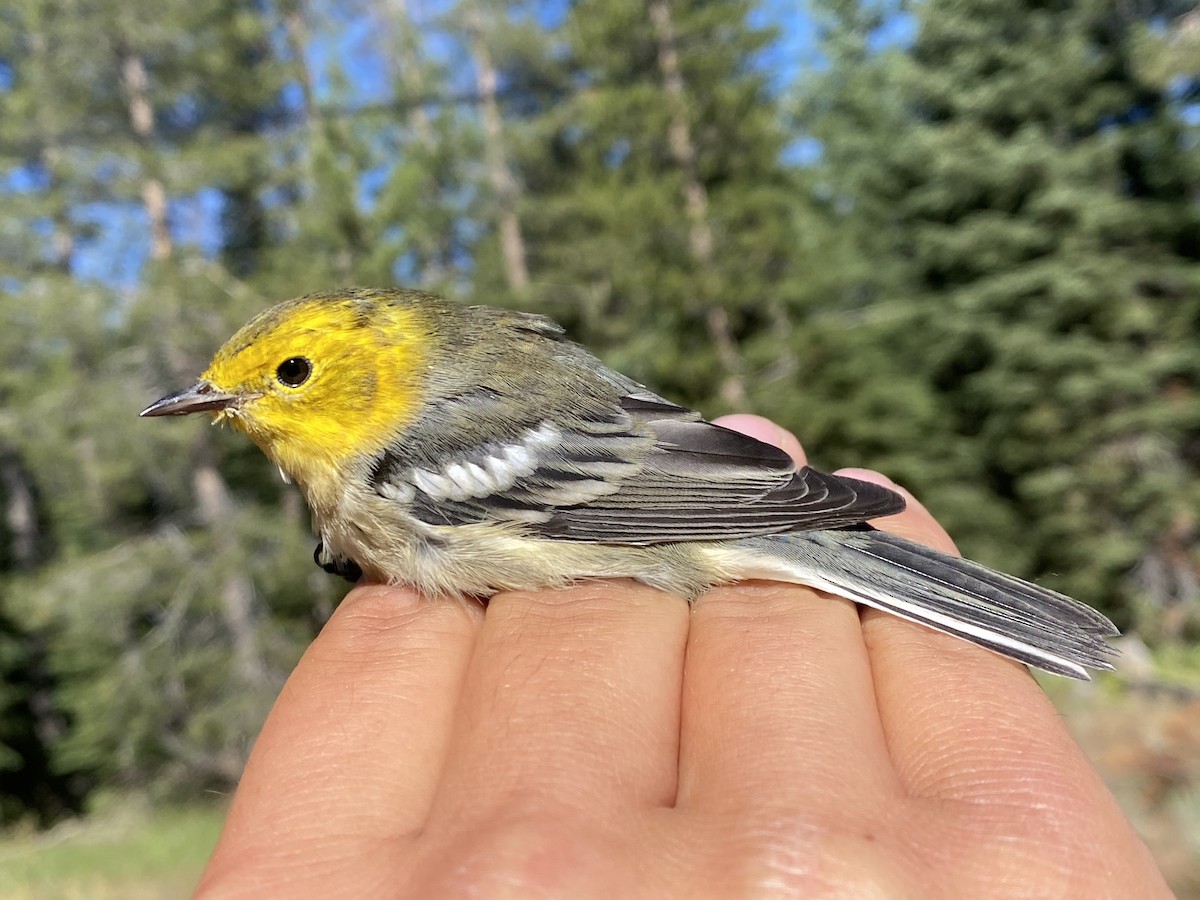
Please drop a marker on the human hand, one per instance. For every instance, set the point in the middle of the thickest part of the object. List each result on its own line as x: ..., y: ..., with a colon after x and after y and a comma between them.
x: 606, y: 741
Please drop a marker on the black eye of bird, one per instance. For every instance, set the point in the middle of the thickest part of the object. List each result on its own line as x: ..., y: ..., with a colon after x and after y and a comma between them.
x: 294, y: 371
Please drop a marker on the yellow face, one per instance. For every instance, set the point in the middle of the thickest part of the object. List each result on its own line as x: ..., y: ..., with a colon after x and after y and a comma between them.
x: 316, y: 382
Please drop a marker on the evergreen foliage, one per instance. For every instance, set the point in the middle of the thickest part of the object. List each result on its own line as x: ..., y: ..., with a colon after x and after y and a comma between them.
x: 1039, y: 295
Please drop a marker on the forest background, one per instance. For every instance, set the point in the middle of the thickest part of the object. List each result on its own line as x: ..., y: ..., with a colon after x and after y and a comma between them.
x: 954, y: 240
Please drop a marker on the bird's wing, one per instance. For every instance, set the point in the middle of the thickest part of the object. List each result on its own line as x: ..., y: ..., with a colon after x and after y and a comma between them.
x: 644, y: 471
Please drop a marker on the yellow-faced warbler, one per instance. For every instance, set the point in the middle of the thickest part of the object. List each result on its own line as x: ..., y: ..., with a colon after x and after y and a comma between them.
x: 464, y: 450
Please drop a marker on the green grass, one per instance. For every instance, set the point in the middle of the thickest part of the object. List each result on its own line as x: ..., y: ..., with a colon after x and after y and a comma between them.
x: 131, y: 851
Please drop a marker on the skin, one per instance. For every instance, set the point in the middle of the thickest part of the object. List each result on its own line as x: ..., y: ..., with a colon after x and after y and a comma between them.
x: 606, y: 741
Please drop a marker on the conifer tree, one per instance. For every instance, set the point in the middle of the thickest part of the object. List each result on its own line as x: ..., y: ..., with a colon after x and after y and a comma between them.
x: 1035, y: 245
x: 145, y: 585
x: 658, y: 215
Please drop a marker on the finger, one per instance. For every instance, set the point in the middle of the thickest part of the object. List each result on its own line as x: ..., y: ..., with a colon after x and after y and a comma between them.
x: 766, y: 431
x: 779, y: 706
x: 353, y: 746
x: 823, y: 684
x: 572, y: 698
x: 1003, y: 785
x: 961, y: 722
x: 915, y: 523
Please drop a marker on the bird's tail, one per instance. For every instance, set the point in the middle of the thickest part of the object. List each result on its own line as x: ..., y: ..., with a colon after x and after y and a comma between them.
x: 1012, y: 617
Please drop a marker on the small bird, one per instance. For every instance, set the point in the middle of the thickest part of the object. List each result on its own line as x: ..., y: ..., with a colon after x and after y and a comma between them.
x: 465, y: 450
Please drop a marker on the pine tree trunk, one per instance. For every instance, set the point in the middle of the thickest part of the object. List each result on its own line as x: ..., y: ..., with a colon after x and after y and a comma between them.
x: 141, y: 117
x: 215, y: 507
x: 20, y: 512
x: 695, y: 202
x: 512, y: 242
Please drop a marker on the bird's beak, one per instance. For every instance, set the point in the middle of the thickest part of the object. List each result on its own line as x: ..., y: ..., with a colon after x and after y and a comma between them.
x: 200, y: 397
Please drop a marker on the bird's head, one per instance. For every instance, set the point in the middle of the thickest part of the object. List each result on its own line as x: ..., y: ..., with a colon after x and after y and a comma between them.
x: 319, y: 381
